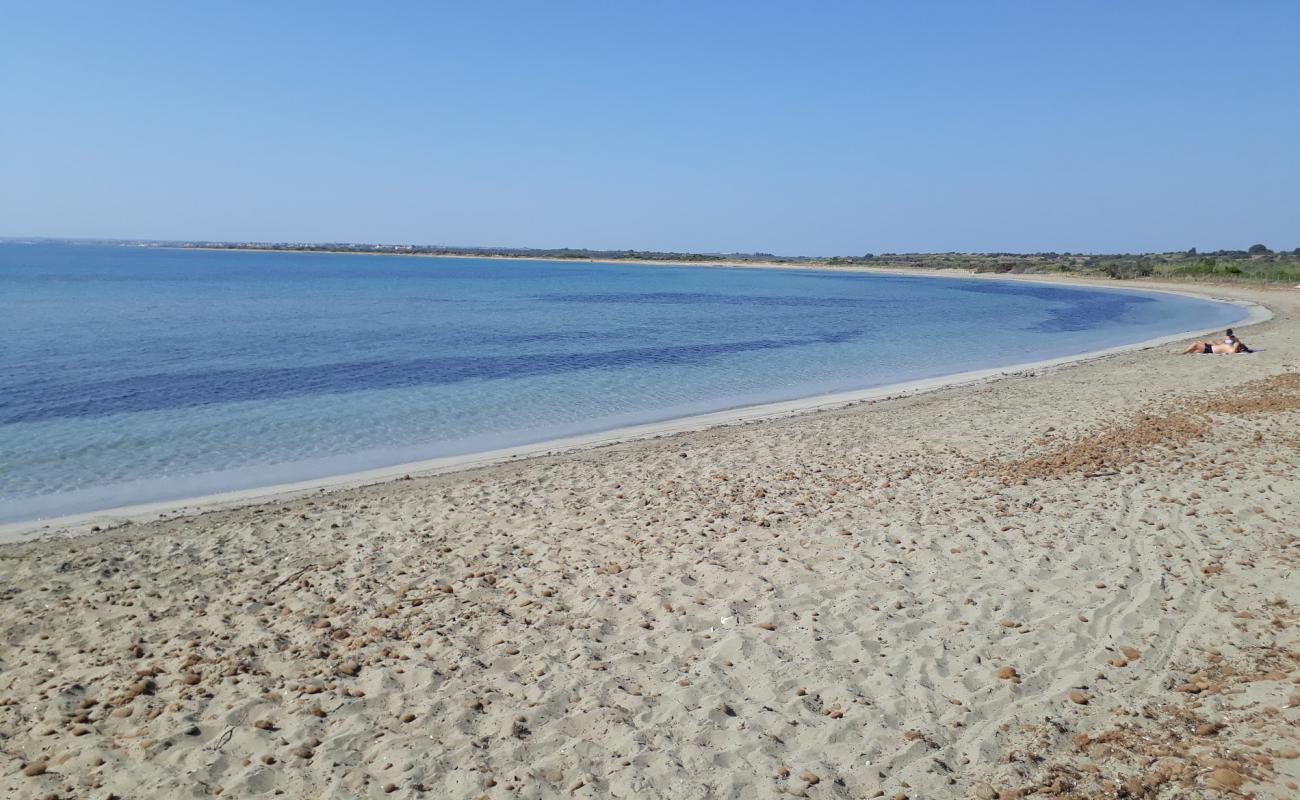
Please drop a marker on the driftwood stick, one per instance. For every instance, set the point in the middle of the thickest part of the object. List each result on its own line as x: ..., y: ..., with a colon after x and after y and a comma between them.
x: 292, y: 577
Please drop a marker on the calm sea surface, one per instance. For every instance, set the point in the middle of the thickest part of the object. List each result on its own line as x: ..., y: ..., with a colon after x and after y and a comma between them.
x: 133, y: 374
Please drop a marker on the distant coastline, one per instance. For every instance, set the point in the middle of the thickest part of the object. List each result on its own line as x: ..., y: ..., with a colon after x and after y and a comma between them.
x: 1255, y: 264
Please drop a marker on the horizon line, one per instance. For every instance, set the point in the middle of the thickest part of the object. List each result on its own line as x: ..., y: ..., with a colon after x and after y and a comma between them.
x: 236, y: 244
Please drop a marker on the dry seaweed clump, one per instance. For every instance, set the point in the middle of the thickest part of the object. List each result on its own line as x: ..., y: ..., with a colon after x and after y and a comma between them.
x: 1149, y: 437
x: 1184, y: 747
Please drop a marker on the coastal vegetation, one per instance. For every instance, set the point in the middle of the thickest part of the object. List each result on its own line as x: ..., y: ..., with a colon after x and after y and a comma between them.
x: 1257, y: 263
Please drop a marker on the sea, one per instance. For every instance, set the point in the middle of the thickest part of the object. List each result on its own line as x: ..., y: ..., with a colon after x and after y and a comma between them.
x: 133, y: 374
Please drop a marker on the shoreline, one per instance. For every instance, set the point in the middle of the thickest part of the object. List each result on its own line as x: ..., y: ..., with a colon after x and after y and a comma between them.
x: 117, y: 516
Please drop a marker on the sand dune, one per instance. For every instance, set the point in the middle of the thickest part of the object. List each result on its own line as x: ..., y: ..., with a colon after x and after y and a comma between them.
x: 1078, y: 582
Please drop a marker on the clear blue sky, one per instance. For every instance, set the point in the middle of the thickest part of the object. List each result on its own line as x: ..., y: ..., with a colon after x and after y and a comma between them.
x: 795, y: 128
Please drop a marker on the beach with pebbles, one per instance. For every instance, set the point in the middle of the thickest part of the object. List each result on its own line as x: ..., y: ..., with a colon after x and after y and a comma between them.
x: 1078, y: 581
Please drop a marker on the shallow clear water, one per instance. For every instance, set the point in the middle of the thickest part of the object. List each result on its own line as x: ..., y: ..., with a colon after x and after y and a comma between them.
x: 134, y: 374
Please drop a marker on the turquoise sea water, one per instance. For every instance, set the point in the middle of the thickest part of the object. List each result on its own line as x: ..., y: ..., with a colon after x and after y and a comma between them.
x: 133, y: 374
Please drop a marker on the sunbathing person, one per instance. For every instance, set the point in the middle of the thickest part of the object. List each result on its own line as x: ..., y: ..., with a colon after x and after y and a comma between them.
x: 1231, y: 344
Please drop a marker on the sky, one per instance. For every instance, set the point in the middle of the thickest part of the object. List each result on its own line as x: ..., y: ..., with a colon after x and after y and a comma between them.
x: 792, y: 128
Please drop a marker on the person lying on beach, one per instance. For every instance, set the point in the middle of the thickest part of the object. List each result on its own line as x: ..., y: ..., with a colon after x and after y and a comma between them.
x: 1230, y: 344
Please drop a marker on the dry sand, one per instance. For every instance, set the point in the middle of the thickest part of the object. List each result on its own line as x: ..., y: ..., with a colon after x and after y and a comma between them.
x: 1079, y: 582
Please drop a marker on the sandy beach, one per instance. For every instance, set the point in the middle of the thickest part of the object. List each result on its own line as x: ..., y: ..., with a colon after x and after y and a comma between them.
x: 1075, y: 581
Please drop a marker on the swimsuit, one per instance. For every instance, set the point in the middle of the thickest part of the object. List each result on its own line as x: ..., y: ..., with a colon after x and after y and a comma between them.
x: 1209, y: 348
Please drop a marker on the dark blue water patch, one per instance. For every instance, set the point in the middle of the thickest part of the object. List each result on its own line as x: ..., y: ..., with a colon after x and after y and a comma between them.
x: 709, y: 298
x: 41, y: 401
x: 545, y: 338
x: 1083, y: 310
